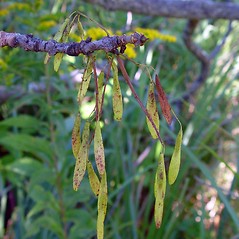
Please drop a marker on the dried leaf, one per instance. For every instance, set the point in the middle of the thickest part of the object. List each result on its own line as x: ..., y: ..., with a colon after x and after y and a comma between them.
x: 176, y: 158
x: 85, y: 79
x: 61, y: 30
x: 58, y: 37
x: 75, y: 137
x: 80, y: 28
x: 99, y: 149
x: 117, y: 96
x: 82, y: 158
x: 47, y: 58
x: 102, y: 206
x: 57, y: 61
x: 66, y: 31
x: 152, y: 109
x: 94, y: 180
x: 62, y: 36
x: 159, y: 191
x: 165, y: 106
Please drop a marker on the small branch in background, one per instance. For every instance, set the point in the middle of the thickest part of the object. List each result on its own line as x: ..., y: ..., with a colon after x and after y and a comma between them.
x: 142, y: 156
x: 194, y: 48
x: 204, y: 57
x: 217, y: 49
x: 203, y: 9
x: 108, y: 44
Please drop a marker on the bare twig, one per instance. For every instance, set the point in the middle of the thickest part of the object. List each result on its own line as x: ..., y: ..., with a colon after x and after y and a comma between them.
x: 107, y: 44
x: 203, y: 9
x: 194, y: 48
x: 204, y: 57
x: 217, y: 49
x: 97, y: 110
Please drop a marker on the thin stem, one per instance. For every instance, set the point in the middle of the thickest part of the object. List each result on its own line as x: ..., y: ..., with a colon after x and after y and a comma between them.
x: 96, y: 94
x: 106, y: 81
x: 127, y: 79
x: 53, y: 142
x: 98, y: 24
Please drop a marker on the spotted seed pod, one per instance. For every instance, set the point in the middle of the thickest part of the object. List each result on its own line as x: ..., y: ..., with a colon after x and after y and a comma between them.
x: 153, y: 111
x: 82, y: 158
x: 86, y: 79
x: 99, y: 149
x: 62, y: 36
x: 75, y: 137
x: 80, y: 28
x: 117, y: 95
x: 176, y: 158
x: 93, y: 178
x: 102, y: 206
x: 61, y: 30
x: 159, y: 191
x: 58, y: 38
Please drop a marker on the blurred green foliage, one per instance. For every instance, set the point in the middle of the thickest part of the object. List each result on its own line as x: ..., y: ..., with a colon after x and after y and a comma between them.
x: 36, y: 164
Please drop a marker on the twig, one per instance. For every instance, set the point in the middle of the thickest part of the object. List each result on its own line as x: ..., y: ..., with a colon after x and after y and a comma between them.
x: 142, y: 156
x: 108, y: 44
x: 217, y: 49
x: 204, y: 57
x: 194, y: 48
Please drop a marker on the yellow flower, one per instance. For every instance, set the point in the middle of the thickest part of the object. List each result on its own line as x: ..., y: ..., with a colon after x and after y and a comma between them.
x: 153, y: 34
x: 19, y: 6
x: 130, y: 52
x: 75, y: 37
x: 97, y: 33
x: 118, y: 33
x: 3, y: 12
x: 3, y: 64
x: 45, y: 25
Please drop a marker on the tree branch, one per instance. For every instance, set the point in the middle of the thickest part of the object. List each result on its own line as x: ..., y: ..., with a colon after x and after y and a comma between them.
x: 203, y: 9
x: 108, y: 44
x: 194, y: 48
x: 201, y: 55
x: 204, y: 57
x: 217, y: 49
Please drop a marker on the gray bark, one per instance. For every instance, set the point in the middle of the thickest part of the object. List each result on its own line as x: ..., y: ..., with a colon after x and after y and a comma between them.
x: 107, y: 44
x: 199, y: 9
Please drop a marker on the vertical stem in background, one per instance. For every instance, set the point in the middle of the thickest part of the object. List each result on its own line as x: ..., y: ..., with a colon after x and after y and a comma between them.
x: 53, y: 142
x: 127, y: 79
